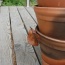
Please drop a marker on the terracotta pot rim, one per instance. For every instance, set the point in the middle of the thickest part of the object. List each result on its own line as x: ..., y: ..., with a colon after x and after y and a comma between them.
x: 50, y: 38
x: 57, y: 8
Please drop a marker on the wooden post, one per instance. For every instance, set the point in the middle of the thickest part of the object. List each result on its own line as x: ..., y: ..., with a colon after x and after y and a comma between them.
x: 0, y: 5
x: 28, y: 3
x: 0, y: 2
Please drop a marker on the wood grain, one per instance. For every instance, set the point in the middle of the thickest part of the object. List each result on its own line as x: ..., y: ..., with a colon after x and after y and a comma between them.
x: 5, y: 38
x: 29, y: 22
x: 24, y: 52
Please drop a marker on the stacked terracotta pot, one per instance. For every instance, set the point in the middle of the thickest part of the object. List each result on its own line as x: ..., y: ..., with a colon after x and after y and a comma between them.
x: 50, y: 32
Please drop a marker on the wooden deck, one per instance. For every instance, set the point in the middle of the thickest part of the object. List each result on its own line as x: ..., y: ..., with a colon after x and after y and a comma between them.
x: 14, y: 47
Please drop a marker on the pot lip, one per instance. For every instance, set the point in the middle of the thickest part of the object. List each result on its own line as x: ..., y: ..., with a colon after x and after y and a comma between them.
x: 50, y: 38
x: 56, y: 8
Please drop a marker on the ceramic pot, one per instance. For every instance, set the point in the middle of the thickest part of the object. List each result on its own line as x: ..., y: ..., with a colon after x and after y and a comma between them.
x: 51, y: 21
x: 52, y: 47
x: 51, y: 61
x: 49, y: 41
x: 51, y: 3
x: 52, y: 54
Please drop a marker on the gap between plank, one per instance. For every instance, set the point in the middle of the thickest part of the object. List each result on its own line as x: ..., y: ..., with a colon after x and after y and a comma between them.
x: 12, y: 41
x: 30, y: 15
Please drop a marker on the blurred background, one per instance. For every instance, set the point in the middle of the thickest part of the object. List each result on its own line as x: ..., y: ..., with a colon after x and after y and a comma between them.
x: 18, y: 2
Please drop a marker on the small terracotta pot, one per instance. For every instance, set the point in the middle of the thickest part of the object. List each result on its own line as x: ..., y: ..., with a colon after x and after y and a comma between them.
x: 51, y: 3
x: 51, y: 21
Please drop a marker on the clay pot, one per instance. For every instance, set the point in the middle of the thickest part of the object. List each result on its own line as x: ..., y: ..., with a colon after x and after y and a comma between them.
x: 51, y: 21
x: 51, y: 3
x: 53, y: 50
x: 48, y: 41
x: 52, y: 47
x: 51, y: 61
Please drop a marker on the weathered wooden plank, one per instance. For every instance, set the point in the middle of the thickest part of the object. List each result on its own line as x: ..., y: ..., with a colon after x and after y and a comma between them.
x: 29, y: 22
x: 24, y: 52
x: 5, y: 38
x: 26, y: 18
x: 17, y: 30
x: 32, y: 13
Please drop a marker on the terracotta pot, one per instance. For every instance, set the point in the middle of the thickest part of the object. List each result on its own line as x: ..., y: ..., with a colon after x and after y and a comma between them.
x: 51, y: 3
x: 51, y: 61
x: 52, y: 52
x: 51, y: 47
x: 51, y: 21
x: 48, y: 41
